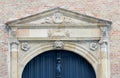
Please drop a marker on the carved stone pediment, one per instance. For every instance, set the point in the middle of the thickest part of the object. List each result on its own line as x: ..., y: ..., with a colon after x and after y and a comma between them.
x: 58, y: 22
x: 59, y: 16
x: 60, y: 19
x: 59, y: 29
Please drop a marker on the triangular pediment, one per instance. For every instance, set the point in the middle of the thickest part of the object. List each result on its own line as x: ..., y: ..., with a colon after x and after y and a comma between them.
x: 58, y: 16
x: 61, y: 20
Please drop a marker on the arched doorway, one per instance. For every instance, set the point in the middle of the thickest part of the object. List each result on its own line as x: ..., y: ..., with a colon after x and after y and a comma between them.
x: 58, y: 64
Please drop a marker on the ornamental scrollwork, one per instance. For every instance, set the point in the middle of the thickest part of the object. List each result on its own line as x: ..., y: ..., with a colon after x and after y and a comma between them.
x: 58, y: 33
x: 104, y: 35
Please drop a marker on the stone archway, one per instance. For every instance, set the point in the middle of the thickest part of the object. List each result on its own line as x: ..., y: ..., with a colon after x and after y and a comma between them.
x: 55, y: 63
x: 68, y: 46
x: 63, y: 30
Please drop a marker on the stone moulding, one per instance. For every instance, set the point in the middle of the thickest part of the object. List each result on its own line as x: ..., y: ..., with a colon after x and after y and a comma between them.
x: 77, y: 28
x: 70, y: 47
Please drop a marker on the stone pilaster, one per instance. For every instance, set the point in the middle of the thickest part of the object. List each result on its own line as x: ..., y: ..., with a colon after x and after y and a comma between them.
x: 13, y: 53
x: 104, y: 65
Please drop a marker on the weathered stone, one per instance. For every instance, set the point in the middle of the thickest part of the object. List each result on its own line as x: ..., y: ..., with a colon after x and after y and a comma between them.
x: 108, y: 9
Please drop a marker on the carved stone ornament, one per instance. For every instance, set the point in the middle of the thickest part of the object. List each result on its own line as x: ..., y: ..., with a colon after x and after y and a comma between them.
x: 47, y: 20
x: 58, y: 45
x: 93, y: 46
x: 58, y: 18
x: 58, y: 33
x: 14, y: 46
x: 104, y: 31
x: 104, y: 35
x: 25, y: 46
x: 13, y: 32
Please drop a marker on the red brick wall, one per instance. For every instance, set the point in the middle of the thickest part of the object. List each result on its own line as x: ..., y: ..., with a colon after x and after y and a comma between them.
x: 105, y: 9
x: 3, y: 52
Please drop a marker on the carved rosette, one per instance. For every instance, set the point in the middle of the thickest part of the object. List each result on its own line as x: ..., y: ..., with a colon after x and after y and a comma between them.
x: 93, y: 46
x: 25, y: 46
x: 58, y: 45
x: 58, y: 18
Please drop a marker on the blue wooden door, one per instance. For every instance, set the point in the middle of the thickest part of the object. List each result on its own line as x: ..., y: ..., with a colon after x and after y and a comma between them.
x: 58, y: 64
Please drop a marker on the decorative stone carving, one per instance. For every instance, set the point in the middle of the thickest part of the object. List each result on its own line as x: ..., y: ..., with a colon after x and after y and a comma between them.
x: 13, y: 40
x: 25, y: 46
x: 14, y: 46
x: 58, y: 18
x: 13, y: 32
x: 104, y: 31
x: 93, y: 46
x: 71, y: 21
x: 104, y: 42
x: 48, y: 20
x: 58, y: 33
x: 58, y: 45
x: 104, y: 35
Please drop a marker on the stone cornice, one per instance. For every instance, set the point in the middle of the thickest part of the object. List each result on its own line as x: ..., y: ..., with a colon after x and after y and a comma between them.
x: 53, y: 39
x: 22, y: 23
x: 40, y: 26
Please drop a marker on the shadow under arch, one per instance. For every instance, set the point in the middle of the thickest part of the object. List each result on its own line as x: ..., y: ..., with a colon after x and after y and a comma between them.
x: 77, y: 49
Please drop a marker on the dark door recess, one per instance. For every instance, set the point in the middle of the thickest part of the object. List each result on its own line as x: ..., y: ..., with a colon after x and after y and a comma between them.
x: 58, y: 64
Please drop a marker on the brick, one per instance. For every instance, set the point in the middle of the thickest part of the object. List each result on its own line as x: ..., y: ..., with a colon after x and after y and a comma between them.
x: 106, y: 9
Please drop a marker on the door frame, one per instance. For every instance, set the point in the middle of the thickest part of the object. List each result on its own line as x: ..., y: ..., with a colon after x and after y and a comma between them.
x: 92, y: 42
